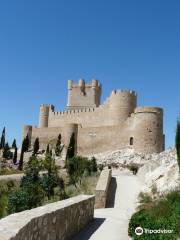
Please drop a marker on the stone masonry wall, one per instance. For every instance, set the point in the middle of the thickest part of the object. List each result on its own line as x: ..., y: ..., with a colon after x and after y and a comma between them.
x: 102, y: 188
x: 56, y: 221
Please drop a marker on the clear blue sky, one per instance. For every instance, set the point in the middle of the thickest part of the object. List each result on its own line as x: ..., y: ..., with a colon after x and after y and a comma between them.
x: 131, y: 44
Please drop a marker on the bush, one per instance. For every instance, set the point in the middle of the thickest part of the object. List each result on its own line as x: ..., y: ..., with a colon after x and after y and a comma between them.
x: 134, y: 168
x: 161, y: 214
x: 5, y: 188
x: 30, y: 194
x: 78, y: 166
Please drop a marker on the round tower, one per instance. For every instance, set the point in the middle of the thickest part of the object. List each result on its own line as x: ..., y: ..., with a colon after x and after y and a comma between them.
x: 44, y: 115
x: 121, y: 105
x: 27, y: 131
x: 148, y: 130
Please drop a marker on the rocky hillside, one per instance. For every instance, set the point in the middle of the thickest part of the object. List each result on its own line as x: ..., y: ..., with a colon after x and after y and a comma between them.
x: 157, y: 171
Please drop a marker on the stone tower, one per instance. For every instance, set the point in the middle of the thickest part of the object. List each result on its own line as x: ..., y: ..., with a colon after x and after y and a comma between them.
x: 82, y: 95
x: 44, y: 114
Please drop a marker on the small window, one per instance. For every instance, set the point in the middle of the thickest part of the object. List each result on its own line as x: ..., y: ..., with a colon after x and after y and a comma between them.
x: 131, y: 141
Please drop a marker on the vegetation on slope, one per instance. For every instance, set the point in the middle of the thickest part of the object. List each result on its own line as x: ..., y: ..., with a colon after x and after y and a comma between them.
x: 162, y: 213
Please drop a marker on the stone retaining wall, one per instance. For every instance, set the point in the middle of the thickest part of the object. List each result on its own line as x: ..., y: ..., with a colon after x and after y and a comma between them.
x: 56, y: 221
x: 102, y: 188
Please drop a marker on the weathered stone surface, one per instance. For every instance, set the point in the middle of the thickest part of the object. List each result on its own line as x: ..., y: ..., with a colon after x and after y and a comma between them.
x: 56, y: 221
x: 158, y: 169
x: 102, y: 188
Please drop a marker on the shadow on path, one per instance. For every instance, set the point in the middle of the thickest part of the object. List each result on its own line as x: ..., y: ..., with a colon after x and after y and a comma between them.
x: 111, y: 193
x: 88, y: 231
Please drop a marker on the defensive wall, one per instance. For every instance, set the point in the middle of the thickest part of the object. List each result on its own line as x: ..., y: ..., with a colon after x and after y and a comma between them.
x: 57, y: 221
x: 118, y: 123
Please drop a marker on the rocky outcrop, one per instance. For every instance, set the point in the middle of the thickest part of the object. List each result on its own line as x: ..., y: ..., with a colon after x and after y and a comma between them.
x: 157, y: 171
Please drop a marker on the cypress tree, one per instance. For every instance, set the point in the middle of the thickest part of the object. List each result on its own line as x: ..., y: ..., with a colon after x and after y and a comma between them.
x: 71, y: 147
x: 36, y: 146
x: 2, y: 142
x: 14, y: 144
x: 24, y: 148
x: 58, y: 146
x: 6, y: 152
x: 47, y: 149
x: 15, y: 156
x: 177, y: 142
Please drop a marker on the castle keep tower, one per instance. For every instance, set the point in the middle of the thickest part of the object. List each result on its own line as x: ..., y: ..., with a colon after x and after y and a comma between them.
x: 82, y: 95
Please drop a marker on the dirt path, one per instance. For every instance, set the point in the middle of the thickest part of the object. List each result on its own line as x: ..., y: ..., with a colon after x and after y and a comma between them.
x: 112, y: 223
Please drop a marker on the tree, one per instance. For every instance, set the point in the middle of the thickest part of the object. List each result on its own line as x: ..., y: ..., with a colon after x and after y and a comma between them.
x: 30, y: 194
x: 14, y: 144
x: 47, y: 149
x: 71, y: 147
x: 58, y: 148
x: 76, y: 167
x: 2, y: 142
x: 15, y: 156
x: 36, y: 146
x: 24, y: 148
x: 177, y: 143
x: 50, y: 180
x: 6, y: 152
x: 93, y: 164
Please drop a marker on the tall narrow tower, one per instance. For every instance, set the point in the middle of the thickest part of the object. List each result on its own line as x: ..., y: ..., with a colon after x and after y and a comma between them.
x: 83, y: 95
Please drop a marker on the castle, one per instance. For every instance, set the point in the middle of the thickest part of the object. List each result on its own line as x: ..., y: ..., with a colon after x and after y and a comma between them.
x: 116, y: 124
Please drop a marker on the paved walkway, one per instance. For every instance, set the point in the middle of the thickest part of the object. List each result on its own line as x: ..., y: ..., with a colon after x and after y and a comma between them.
x: 112, y: 223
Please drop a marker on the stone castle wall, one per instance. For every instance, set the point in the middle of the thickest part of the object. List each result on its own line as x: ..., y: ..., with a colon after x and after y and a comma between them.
x: 118, y: 123
x: 60, y: 220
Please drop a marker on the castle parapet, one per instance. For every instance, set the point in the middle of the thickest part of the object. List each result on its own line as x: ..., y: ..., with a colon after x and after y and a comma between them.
x: 149, y: 110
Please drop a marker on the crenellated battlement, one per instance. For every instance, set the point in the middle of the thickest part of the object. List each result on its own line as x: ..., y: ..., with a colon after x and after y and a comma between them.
x: 121, y: 91
x: 68, y: 112
x: 82, y: 84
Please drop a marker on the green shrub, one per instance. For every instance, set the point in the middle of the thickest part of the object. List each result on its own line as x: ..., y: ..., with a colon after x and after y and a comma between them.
x: 78, y: 166
x: 159, y: 214
x: 133, y: 168
x: 5, y: 188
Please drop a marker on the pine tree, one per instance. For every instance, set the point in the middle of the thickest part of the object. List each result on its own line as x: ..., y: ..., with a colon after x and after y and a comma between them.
x: 14, y: 144
x: 15, y: 156
x: 36, y: 146
x: 177, y: 141
x: 2, y: 142
x: 58, y: 148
